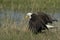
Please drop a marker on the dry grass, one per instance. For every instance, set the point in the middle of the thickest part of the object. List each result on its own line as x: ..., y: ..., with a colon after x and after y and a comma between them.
x: 31, y: 5
x: 11, y: 31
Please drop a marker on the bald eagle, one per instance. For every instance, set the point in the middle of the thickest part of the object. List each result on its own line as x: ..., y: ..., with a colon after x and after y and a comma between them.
x: 39, y: 21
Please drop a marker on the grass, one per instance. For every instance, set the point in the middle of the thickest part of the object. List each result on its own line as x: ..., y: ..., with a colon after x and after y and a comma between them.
x: 13, y: 32
x: 31, y: 5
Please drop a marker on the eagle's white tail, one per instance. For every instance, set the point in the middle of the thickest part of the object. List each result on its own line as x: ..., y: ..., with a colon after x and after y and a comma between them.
x: 50, y: 26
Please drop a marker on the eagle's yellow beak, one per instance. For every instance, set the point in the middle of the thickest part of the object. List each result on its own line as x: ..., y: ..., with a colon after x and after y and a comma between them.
x: 26, y: 17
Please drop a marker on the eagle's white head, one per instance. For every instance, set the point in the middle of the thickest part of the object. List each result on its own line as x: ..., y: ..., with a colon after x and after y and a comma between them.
x: 29, y: 15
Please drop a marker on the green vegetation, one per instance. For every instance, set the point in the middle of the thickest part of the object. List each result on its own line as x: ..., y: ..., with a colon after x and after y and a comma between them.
x: 11, y: 31
x: 31, y: 5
